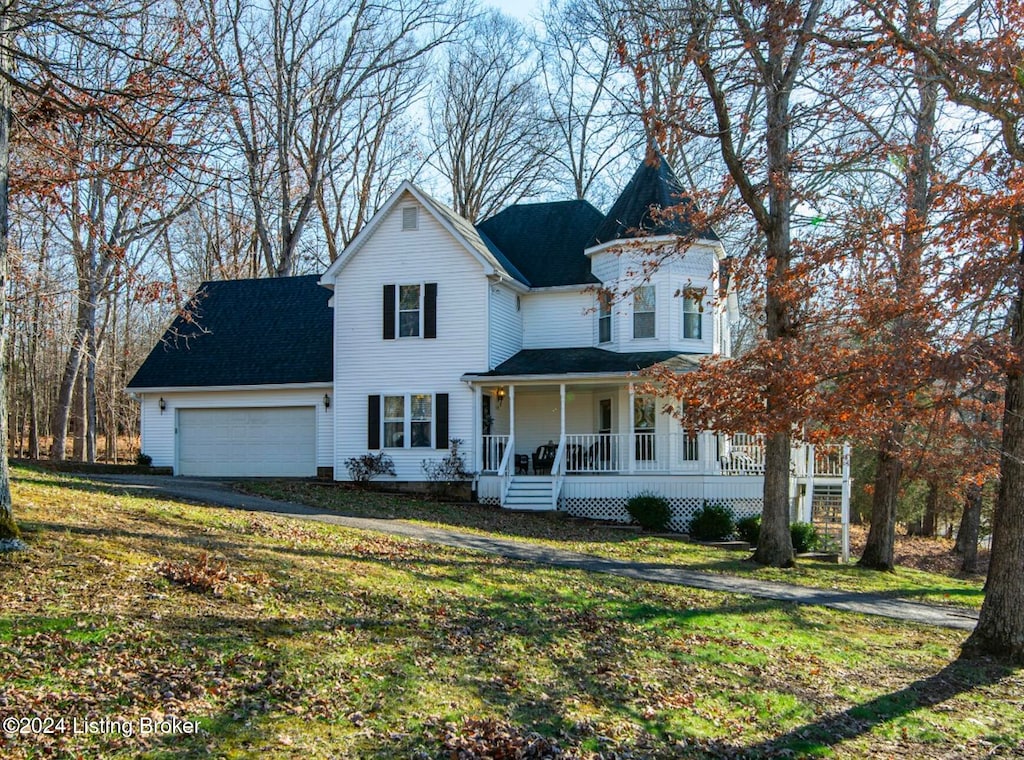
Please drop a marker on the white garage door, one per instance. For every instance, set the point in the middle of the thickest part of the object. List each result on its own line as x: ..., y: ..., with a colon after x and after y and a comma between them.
x: 279, y: 441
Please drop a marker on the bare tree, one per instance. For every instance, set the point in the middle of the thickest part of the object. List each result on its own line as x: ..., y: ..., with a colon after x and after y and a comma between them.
x: 376, y: 151
x: 291, y: 73
x: 490, y: 138
x: 583, y: 83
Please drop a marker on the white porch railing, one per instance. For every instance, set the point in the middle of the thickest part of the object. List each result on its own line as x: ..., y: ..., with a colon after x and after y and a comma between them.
x: 494, y: 448
x: 639, y: 452
x: 743, y: 454
x: 828, y: 459
x: 706, y: 453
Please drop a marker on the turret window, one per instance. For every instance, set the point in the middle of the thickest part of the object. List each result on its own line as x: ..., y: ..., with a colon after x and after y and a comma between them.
x: 643, y: 312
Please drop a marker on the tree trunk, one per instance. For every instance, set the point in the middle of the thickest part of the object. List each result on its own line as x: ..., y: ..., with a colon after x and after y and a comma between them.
x: 78, y: 404
x: 8, y: 528
x: 930, y: 521
x: 89, y: 410
x: 1000, y: 629
x: 879, y: 548
x: 970, y: 528
x: 72, y: 369
x: 775, y: 543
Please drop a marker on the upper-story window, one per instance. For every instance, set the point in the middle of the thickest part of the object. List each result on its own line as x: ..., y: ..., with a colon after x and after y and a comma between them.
x: 643, y: 312
x: 692, y: 316
x: 410, y: 311
x: 604, y: 320
x: 410, y: 218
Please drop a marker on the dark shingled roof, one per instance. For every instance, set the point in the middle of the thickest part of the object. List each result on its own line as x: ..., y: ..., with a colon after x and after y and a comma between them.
x: 569, y: 361
x: 545, y: 241
x: 651, y: 186
x: 246, y: 332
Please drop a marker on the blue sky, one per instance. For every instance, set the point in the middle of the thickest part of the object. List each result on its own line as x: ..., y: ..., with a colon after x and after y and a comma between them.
x: 521, y: 9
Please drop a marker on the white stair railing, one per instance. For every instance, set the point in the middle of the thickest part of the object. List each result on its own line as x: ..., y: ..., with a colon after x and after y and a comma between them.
x: 505, y: 471
x: 558, y: 472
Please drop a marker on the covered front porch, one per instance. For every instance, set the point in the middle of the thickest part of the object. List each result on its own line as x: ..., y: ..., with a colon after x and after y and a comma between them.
x: 542, y: 431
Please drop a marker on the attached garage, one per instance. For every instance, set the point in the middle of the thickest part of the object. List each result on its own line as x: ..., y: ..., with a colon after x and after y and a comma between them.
x: 247, y: 442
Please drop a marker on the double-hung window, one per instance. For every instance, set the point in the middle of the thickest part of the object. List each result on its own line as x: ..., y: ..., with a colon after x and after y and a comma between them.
x: 394, y: 422
x: 410, y: 311
x: 407, y: 420
x: 692, y: 317
x: 643, y: 312
x: 604, y: 320
x: 420, y: 420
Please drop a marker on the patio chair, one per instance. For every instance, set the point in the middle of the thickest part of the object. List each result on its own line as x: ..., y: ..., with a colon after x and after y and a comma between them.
x: 544, y: 458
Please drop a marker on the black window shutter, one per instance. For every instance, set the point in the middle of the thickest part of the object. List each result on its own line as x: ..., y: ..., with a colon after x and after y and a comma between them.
x: 430, y: 310
x: 373, y: 423
x: 441, y: 408
x: 389, y: 312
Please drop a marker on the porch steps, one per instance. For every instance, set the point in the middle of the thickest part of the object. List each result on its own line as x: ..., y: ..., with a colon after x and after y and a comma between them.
x: 529, y: 492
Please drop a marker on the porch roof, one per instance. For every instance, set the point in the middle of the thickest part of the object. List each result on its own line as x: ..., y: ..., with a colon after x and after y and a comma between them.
x: 537, y: 362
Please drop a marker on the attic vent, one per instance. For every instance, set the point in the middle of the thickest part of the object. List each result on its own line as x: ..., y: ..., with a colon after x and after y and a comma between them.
x: 410, y: 218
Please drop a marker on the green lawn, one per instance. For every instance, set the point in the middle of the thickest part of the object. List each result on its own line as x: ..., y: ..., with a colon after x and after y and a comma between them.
x: 320, y: 641
x: 604, y: 541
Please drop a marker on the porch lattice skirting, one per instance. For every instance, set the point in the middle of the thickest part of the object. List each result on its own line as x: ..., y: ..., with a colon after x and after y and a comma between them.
x: 683, y: 510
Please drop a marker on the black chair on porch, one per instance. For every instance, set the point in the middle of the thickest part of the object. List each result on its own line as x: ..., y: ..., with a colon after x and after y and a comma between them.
x: 544, y: 458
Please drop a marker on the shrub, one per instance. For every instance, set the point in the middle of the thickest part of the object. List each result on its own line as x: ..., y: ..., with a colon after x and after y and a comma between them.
x: 445, y: 474
x: 650, y: 510
x: 805, y: 537
x: 749, y: 529
x: 713, y: 522
x: 143, y: 459
x: 363, y: 469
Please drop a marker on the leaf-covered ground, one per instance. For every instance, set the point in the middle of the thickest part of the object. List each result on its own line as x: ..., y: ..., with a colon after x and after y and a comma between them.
x: 288, y: 639
x: 914, y: 580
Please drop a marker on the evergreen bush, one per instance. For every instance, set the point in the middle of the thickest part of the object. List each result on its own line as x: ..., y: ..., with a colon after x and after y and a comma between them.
x: 714, y: 522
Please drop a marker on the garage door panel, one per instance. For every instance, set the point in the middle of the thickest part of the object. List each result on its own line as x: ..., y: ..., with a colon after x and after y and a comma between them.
x: 274, y: 441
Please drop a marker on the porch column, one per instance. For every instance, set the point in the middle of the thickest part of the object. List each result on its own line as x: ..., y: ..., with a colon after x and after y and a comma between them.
x: 808, y: 514
x: 512, y: 413
x: 846, y: 503
x: 561, y: 405
x: 631, y: 437
x: 708, y: 451
x: 478, y: 427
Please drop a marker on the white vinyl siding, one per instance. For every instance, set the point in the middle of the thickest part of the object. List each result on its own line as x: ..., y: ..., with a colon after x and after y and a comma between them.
x: 365, y: 364
x: 691, y: 271
x: 558, y: 319
x: 506, y: 321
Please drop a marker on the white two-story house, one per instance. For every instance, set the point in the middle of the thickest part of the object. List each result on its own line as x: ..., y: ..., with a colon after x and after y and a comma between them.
x: 524, y: 336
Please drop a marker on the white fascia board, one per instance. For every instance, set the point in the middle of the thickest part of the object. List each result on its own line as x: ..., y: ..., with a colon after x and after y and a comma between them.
x: 638, y: 242
x: 579, y: 377
x: 511, y: 283
x: 226, y: 388
x: 582, y: 289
